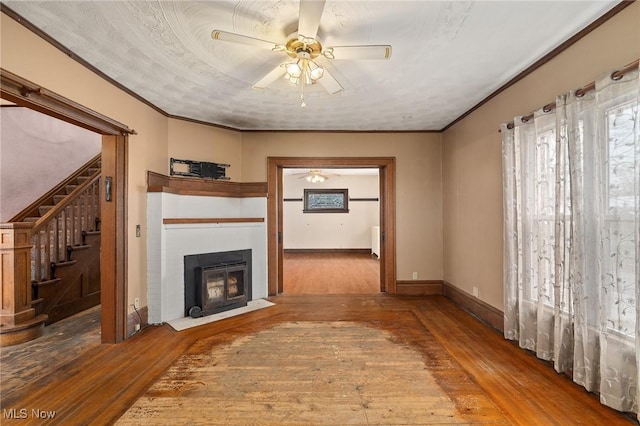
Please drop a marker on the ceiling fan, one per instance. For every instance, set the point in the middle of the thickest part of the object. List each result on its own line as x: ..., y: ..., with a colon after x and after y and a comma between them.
x: 304, y: 47
x: 315, y: 175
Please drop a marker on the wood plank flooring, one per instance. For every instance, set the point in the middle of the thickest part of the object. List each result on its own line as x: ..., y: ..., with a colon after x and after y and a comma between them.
x: 357, y: 373
x: 490, y: 380
x: 331, y: 273
x: 62, y: 342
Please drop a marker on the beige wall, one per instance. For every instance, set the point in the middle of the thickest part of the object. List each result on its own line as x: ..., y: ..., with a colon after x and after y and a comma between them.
x: 28, y: 56
x: 472, y: 162
x: 418, y: 183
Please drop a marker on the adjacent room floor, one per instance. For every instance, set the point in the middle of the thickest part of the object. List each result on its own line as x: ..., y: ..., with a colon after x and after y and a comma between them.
x: 331, y: 273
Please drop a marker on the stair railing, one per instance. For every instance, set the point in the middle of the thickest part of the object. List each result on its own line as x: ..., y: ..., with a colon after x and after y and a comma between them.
x: 63, y: 227
x: 29, y: 250
x: 47, y: 198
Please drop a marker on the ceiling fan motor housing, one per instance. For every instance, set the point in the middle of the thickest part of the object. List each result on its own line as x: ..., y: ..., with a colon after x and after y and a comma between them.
x: 295, y: 47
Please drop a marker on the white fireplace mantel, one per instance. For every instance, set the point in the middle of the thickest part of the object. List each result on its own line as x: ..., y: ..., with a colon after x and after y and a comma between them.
x: 180, y: 225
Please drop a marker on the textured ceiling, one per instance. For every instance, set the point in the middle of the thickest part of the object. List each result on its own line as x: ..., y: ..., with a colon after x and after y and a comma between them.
x: 446, y: 58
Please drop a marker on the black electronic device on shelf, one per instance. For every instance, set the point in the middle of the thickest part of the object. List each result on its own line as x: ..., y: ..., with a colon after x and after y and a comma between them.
x: 198, y: 169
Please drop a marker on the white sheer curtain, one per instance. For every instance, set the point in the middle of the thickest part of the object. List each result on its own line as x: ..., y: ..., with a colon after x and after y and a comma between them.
x: 572, y: 234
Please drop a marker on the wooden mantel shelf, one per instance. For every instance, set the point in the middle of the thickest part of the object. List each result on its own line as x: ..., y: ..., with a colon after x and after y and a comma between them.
x: 191, y: 220
x: 157, y: 182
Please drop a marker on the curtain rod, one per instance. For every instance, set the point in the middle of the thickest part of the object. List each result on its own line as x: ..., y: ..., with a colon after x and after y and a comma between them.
x: 616, y: 75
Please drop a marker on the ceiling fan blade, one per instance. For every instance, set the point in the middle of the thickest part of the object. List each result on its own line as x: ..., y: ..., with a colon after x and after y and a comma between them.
x: 309, y: 17
x: 358, y: 52
x: 329, y: 83
x: 272, y: 76
x: 240, y: 39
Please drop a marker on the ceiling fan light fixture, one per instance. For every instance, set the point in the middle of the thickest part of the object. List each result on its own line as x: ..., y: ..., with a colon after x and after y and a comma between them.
x: 294, y: 70
x: 305, y: 69
x: 303, y: 72
x: 307, y: 79
x: 314, y: 177
x: 315, y: 71
x: 293, y: 80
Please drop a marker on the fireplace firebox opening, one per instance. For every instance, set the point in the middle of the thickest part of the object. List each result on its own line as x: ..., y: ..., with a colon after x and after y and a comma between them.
x: 216, y: 282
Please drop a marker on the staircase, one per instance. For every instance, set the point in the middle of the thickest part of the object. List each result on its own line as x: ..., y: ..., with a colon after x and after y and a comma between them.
x: 65, y: 238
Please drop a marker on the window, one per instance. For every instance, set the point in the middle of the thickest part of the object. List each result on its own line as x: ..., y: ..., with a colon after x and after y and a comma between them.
x: 572, y: 226
x: 618, y: 233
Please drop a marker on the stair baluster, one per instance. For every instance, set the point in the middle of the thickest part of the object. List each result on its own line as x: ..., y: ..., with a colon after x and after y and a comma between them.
x: 62, y: 229
x: 67, y: 216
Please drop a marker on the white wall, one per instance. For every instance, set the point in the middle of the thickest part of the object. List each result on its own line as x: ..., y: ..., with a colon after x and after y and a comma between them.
x: 330, y: 230
x: 36, y: 153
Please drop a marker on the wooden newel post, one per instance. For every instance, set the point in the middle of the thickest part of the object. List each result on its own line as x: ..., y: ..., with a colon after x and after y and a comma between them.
x: 15, y: 270
x: 18, y: 322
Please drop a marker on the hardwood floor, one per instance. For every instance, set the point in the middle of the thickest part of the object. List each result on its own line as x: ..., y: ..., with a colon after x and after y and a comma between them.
x: 357, y: 373
x: 471, y: 363
x: 331, y: 273
x: 61, y: 342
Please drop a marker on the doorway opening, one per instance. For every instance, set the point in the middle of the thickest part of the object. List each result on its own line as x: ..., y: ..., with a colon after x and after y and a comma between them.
x: 60, y: 199
x: 113, y: 210
x: 331, y: 231
x: 386, y: 208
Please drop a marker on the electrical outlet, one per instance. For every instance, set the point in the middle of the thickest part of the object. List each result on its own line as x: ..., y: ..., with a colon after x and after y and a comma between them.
x: 138, y: 231
x: 476, y: 293
x: 136, y: 303
x: 415, y: 275
x: 137, y: 327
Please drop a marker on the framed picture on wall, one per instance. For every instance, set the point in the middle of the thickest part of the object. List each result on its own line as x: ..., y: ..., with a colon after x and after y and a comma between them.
x: 326, y: 201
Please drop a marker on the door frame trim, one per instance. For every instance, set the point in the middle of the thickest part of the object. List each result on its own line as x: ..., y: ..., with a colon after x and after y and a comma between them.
x: 113, y: 241
x: 387, y: 176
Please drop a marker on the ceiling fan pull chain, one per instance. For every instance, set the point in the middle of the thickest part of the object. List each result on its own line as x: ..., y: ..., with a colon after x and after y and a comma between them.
x: 302, y: 102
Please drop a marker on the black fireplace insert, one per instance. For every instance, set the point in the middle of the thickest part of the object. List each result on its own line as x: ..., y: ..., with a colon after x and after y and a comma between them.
x: 216, y: 282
